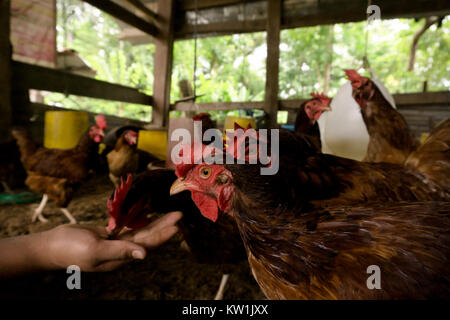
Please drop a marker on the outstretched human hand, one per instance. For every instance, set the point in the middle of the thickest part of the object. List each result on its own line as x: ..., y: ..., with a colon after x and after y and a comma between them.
x: 85, y: 246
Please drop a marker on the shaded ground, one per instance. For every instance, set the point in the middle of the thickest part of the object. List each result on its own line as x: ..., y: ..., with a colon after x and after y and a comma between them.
x: 168, y: 273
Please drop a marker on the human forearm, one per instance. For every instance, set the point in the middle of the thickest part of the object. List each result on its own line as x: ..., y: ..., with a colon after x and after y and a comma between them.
x: 19, y: 255
x: 85, y: 246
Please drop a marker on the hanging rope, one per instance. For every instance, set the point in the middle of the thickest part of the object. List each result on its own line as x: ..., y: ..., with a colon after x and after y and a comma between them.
x: 194, y: 80
x: 366, y: 64
x: 366, y: 41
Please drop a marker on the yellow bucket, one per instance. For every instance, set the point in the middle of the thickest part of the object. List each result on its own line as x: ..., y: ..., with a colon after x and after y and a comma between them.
x: 63, y: 129
x: 424, y: 136
x: 242, y: 121
x: 154, y: 142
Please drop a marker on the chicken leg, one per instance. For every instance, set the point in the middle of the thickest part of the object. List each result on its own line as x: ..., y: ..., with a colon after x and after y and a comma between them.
x: 69, y: 215
x: 38, y: 212
x: 6, y: 187
x: 223, y: 282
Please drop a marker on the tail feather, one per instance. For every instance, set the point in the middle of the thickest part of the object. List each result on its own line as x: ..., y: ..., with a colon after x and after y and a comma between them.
x: 26, y: 145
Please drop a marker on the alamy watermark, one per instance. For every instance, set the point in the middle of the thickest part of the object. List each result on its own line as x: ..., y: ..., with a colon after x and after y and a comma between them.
x: 374, y: 281
x: 373, y: 13
x: 74, y: 280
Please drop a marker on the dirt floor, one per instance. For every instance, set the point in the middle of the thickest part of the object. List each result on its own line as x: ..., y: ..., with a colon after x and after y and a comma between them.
x: 168, y: 273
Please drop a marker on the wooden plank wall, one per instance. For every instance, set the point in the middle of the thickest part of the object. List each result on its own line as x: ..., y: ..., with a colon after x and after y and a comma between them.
x: 424, y: 118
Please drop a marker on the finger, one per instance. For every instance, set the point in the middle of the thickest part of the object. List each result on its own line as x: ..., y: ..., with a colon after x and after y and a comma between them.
x: 110, y: 265
x: 151, y: 238
x: 117, y: 250
x: 167, y: 220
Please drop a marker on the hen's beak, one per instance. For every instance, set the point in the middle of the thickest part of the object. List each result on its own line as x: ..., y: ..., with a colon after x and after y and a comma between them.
x: 177, y: 187
x: 325, y: 107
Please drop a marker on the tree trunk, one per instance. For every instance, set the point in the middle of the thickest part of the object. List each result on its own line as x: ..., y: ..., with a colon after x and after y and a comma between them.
x: 412, y: 57
x: 327, y: 74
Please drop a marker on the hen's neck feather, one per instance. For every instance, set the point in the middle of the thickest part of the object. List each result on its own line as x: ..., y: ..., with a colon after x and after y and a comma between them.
x: 385, y: 123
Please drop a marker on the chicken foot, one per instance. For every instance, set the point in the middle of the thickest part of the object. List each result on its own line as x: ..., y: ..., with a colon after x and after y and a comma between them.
x: 223, y: 282
x: 38, y: 212
x: 69, y: 215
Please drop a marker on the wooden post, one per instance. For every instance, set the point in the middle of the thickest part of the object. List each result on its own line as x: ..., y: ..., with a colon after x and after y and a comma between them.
x: 272, y: 62
x: 163, y: 63
x: 5, y: 73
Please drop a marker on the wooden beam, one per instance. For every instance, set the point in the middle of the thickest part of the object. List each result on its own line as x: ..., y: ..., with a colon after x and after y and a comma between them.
x: 207, y: 4
x: 422, y: 98
x: 139, y: 5
x: 214, y: 106
x: 126, y: 16
x: 221, y: 28
x: 272, y: 61
x: 41, y: 78
x: 315, y: 12
x: 5, y: 73
x: 401, y: 99
x: 163, y: 63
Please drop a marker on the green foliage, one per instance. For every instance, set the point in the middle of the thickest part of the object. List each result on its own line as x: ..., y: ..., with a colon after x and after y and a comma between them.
x: 94, y: 35
x: 304, y: 54
x: 224, y: 72
x: 232, y: 68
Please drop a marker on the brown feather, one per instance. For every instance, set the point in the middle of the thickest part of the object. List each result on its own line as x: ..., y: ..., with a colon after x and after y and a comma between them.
x: 390, y: 138
x: 432, y: 158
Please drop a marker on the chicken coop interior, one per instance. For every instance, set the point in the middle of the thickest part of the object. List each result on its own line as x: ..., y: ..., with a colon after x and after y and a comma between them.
x: 222, y: 62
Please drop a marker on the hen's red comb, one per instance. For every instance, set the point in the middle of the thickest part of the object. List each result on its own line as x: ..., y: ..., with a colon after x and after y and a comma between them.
x: 322, y: 97
x: 192, y: 155
x: 201, y: 116
x: 352, y: 75
x: 100, y: 121
x: 246, y: 146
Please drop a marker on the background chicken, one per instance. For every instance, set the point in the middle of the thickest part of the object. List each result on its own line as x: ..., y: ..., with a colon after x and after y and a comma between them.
x: 126, y: 158
x: 432, y: 158
x: 207, y: 122
x: 310, y: 233
x: 58, y: 173
x: 308, y: 114
x: 390, y: 137
x: 211, y: 243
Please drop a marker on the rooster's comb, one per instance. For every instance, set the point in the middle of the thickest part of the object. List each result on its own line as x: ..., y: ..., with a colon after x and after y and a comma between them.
x: 100, y: 121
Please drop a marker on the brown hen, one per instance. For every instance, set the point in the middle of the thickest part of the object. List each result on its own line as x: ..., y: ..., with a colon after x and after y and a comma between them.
x: 313, y: 229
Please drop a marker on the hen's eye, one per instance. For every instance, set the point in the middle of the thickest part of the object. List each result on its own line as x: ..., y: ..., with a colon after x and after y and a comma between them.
x: 205, y: 172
